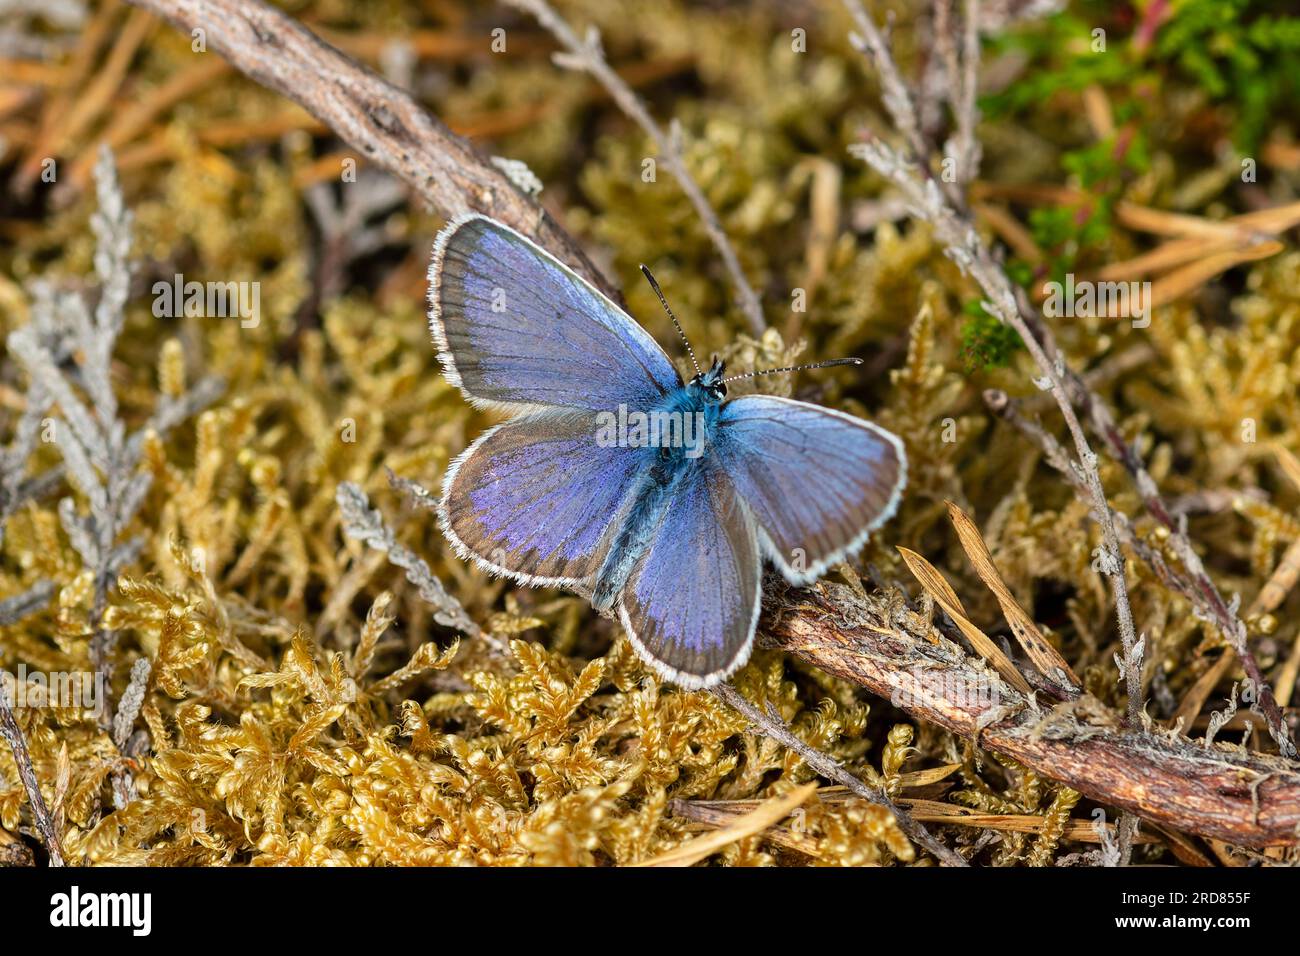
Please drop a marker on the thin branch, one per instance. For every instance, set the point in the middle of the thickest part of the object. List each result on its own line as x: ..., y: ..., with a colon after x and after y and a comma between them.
x: 966, y: 147
x: 1227, y: 793
x: 893, y: 89
x: 1206, y: 596
x: 36, y: 598
x: 1013, y: 413
x: 940, y: 71
x: 98, y: 458
x: 363, y: 523
x: 380, y: 120
x: 13, y: 735
x: 1206, y: 593
x: 585, y: 55
x: 830, y: 768
x: 956, y: 231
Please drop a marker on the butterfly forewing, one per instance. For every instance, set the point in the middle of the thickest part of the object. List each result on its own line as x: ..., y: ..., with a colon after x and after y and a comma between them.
x: 817, y: 481
x: 514, y: 326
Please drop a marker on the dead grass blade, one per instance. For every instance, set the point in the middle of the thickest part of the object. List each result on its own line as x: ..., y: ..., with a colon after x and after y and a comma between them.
x: 938, y: 588
x: 1169, y: 255
x: 1180, y: 225
x: 756, y: 821
x: 1077, y: 831
x: 1045, y: 657
x: 1189, y: 278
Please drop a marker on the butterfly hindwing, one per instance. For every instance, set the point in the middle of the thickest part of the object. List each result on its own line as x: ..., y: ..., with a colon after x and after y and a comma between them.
x: 817, y: 481
x: 516, y: 327
x: 534, y: 498
x: 692, y: 601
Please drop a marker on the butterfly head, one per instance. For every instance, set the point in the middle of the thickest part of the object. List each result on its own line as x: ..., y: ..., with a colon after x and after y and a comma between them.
x: 711, y: 383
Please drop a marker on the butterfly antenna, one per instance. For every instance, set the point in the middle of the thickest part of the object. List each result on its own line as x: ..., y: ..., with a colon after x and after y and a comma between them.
x: 659, y: 292
x: 794, y: 368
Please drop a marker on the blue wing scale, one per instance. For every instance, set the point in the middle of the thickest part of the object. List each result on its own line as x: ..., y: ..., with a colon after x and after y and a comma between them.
x: 535, y: 497
x: 693, y: 600
x: 817, y: 481
x: 515, y: 327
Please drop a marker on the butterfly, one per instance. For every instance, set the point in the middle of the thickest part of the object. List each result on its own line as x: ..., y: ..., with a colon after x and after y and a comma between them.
x: 656, y: 499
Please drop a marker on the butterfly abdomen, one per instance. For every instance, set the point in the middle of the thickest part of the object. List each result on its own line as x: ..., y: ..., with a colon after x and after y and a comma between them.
x: 649, y: 499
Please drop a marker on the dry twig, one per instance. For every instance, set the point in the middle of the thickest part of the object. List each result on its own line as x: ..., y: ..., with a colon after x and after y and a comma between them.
x: 587, y: 56
x: 755, y: 821
x: 13, y: 735
x: 382, y: 121
x: 829, y: 768
x: 1227, y: 793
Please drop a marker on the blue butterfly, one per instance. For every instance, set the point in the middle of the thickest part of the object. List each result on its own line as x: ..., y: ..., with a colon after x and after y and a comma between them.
x: 576, y: 491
